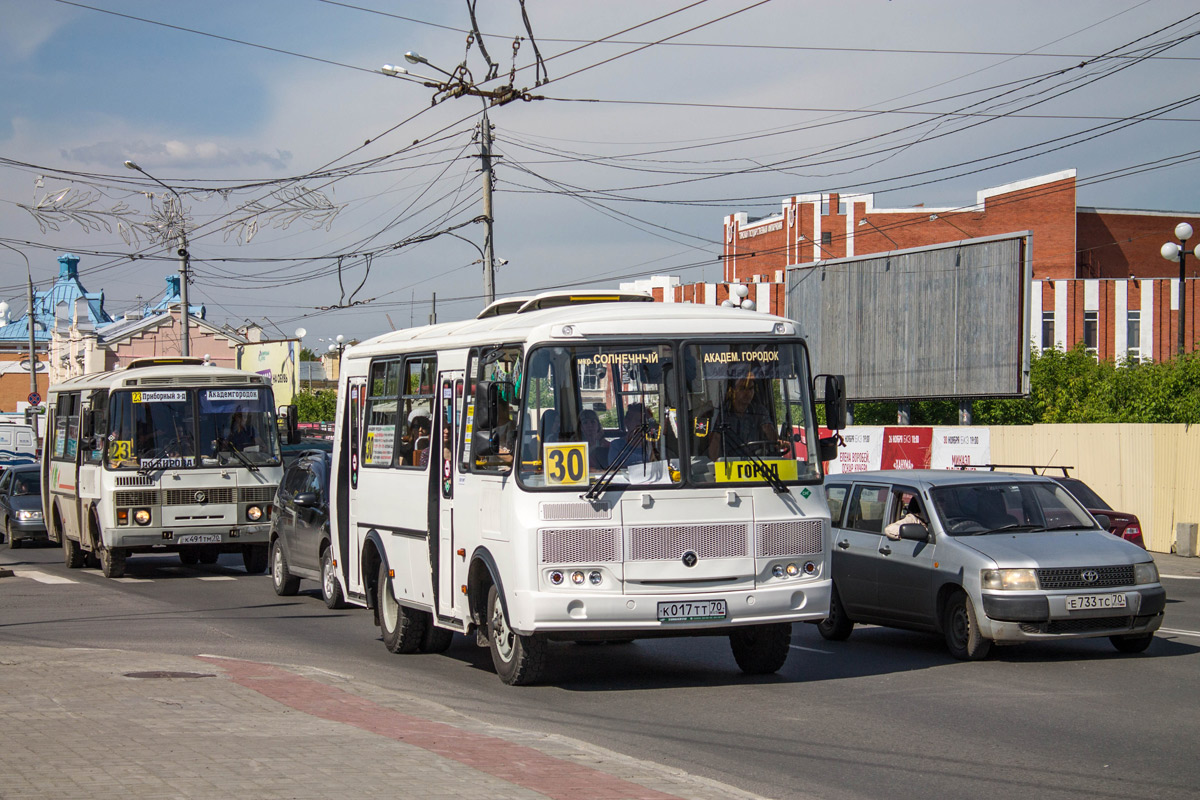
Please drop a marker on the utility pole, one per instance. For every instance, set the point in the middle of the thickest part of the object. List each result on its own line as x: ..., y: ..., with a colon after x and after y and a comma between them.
x: 489, y: 265
x: 185, y: 348
x: 433, y: 315
x: 32, y: 345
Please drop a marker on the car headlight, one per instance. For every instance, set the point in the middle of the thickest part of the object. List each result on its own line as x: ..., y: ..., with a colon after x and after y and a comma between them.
x: 254, y: 513
x: 29, y: 516
x: 1145, y: 573
x: 1013, y: 580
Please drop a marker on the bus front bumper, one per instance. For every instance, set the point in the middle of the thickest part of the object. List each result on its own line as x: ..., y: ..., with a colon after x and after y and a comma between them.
x: 176, y: 537
x: 565, y: 612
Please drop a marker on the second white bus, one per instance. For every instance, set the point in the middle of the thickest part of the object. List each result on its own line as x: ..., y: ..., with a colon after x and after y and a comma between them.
x: 584, y: 467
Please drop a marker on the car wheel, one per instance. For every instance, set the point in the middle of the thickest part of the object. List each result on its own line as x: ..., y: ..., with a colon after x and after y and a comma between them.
x: 402, y: 628
x: 761, y: 649
x: 13, y: 543
x: 962, y: 630
x: 72, y: 552
x: 1134, y: 643
x: 837, y: 626
x: 254, y: 558
x: 518, y: 659
x: 112, y: 562
x: 331, y: 590
x: 286, y: 584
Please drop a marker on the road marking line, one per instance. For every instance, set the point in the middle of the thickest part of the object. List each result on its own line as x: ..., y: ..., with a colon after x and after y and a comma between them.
x: 810, y: 649
x: 218, y: 578
x: 41, y: 577
x: 1178, y: 632
x: 1182, y: 577
x: 133, y: 580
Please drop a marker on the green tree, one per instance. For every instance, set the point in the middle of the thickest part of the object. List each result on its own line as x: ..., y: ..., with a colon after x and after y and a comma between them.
x: 319, y: 406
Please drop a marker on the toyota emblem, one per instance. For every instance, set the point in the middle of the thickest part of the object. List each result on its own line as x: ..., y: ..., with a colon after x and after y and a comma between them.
x: 200, y: 497
x: 1089, y: 576
x: 690, y: 559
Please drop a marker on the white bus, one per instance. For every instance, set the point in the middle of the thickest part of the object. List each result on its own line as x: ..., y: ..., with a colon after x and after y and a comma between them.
x: 584, y: 467
x: 165, y: 455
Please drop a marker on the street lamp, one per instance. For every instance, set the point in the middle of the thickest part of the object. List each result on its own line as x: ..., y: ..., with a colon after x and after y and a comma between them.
x: 1178, y: 252
x: 739, y: 297
x: 32, y: 344
x: 184, y: 336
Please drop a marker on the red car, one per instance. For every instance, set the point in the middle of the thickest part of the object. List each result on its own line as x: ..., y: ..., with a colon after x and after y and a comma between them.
x: 1120, y: 523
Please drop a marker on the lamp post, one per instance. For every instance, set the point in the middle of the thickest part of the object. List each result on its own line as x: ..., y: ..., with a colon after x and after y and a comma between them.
x: 184, y: 335
x: 742, y: 301
x: 1178, y: 252
x: 300, y: 334
x: 337, y: 346
x: 32, y: 344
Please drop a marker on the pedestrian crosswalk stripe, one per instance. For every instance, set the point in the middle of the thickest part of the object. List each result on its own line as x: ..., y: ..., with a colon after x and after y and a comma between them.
x: 218, y: 578
x: 41, y: 577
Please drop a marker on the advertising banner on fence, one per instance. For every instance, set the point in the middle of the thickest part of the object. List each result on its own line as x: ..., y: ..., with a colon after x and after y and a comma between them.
x: 910, y: 447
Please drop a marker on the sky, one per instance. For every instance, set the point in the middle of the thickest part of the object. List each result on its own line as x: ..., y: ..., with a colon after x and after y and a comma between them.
x: 320, y: 193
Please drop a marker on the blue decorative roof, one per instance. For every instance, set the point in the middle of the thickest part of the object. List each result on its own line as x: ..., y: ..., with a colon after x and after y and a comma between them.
x: 67, y: 289
x: 171, y: 298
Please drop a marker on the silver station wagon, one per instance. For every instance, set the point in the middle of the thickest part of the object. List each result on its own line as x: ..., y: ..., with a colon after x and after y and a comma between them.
x: 983, y: 558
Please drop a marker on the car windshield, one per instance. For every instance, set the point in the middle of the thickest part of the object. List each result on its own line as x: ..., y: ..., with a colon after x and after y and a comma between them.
x: 27, y: 482
x: 159, y: 429
x: 982, y: 508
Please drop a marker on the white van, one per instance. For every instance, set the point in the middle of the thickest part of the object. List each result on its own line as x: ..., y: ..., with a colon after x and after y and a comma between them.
x: 18, y: 445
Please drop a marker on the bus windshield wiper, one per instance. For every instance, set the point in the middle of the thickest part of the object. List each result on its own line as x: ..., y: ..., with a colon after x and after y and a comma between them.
x: 635, y: 441
x: 726, y: 430
x: 233, y: 448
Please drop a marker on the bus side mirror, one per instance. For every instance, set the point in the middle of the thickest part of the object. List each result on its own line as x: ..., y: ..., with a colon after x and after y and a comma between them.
x: 487, y: 405
x: 291, y: 423
x: 835, y: 401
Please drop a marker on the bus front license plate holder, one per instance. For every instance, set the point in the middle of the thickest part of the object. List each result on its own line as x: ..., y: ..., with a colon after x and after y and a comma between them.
x: 692, y: 610
x: 199, y: 538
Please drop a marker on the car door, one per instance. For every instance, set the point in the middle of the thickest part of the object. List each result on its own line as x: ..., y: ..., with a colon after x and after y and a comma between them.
x: 904, y: 568
x: 307, y: 518
x: 5, y: 500
x: 855, y: 549
x: 286, y: 512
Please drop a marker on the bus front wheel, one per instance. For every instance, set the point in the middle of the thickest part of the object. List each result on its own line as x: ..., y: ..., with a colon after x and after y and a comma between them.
x: 254, y: 558
x: 761, y: 649
x: 402, y: 628
x: 518, y: 659
x: 112, y: 562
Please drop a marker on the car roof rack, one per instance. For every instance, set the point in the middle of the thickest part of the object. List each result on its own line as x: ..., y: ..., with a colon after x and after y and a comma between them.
x: 1036, y: 469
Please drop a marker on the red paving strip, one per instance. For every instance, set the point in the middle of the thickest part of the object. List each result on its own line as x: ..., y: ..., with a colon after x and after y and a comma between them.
x: 517, y: 764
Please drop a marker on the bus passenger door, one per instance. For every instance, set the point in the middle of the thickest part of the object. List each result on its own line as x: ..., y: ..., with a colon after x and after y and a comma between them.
x: 450, y: 390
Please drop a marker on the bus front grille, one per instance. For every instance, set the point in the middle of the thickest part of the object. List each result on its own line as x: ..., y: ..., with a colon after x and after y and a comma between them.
x: 801, y: 537
x: 136, y: 498
x: 190, y: 497
x: 256, y: 494
x: 669, y: 542
x: 580, y: 545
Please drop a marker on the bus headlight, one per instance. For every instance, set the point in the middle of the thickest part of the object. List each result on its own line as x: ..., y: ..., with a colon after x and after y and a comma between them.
x: 595, y: 577
x: 142, y: 516
x: 254, y: 513
x: 556, y: 578
x: 577, y: 577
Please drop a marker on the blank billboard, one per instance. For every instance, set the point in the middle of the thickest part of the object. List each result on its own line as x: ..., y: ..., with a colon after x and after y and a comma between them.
x: 947, y: 321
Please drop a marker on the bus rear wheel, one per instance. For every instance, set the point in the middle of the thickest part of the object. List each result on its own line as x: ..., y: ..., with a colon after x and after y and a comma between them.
x: 72, y: 552
x: 761, y: 649
x: 112, y: 562
x: 518, y: 659
x: 402, y: 628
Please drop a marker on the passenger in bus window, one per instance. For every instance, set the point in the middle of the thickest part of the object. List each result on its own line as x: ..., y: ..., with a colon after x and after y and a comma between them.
x: 746, y: 420
x: 241, y: 432
x: 593, y: 434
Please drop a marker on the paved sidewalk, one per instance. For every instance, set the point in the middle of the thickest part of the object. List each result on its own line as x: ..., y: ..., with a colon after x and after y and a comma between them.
x: 1178, y: 566
x: 84, y: 723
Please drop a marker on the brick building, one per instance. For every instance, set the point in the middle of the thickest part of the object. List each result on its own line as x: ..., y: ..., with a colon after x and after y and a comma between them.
x: 1098, y: 276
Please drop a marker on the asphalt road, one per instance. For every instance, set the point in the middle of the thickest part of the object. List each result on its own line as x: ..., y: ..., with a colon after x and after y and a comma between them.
x: 884, y: 714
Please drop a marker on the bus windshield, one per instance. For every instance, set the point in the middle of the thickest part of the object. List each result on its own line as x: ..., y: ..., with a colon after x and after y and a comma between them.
x: 593, y: 409
x: 749, y: 414
x: 160, y: 429
x: 734, y: 413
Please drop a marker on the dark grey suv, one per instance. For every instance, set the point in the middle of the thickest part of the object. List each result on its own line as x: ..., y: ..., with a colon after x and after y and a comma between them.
x: 300, y: 540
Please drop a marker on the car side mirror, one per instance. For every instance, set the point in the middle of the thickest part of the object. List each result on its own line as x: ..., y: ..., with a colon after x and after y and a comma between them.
x: 1103, y: 521
x: 307, y: 500
x: 914, y: 532
x: 827, y: 448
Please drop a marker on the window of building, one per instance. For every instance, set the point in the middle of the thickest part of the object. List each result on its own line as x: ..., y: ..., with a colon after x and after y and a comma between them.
x: 826, y: 237
x: 1047, y: 330
x: 1090, y: 331
x: 841, y: 207
x: 1133, y: 336
x: 825, y: 206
